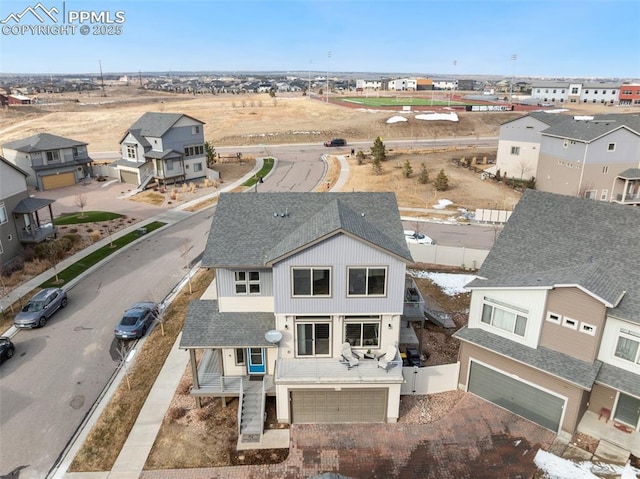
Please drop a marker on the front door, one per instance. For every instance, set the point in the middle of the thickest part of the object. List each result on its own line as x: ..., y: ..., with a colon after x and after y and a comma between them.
x: 628, y: 410
x: 256, y: 363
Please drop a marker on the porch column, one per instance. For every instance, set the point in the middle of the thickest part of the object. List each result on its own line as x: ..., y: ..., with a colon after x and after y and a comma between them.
x: 194, y: 374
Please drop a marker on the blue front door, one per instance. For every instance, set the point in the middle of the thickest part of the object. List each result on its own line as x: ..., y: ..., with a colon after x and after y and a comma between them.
x: 256, y: 363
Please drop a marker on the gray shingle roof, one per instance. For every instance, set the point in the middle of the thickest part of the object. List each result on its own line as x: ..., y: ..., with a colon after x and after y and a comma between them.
x: 29, y: 205
x: 160, y: 155
x: 589, y: 130
x: 206, y: 327
x: 619, y: 379
x: 8, y: 163
x: 548, y: 118
x: 567, y: 368
x: 254, y: 229
x: 157, y: 124
x: 569, y: 240
x: 630, y: 174
x: 42, y: 142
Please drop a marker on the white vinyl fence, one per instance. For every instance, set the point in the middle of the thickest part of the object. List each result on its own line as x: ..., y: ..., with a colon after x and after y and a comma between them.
x: 430, y: 379
x: 465, y: 258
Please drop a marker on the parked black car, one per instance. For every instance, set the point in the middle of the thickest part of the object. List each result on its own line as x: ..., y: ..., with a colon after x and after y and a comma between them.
x: 336, y: 142
x: 6, y: 348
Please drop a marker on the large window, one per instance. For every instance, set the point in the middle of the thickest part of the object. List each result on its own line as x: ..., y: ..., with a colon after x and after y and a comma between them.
x: 628, y: 346
x: 367, y: 281
x: 362, y: 331
x: 194, y: 150
x: 240, y: 360
x: 53, y: 156
x: 313, y: 337
x: 504, y: 316
x: 247, y: 282
x: 311, y: 281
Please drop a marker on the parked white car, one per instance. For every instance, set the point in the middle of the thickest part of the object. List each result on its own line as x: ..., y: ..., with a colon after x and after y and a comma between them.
x: 418, y: 238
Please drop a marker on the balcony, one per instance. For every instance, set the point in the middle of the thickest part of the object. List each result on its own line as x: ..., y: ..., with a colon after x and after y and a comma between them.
x: 414, y: 302
x: 333, y: 371
x: 628, y: 199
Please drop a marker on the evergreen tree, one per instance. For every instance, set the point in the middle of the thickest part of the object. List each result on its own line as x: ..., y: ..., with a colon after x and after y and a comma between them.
x: 378, y: 150
x: 423, y: 176
x: 407, y: 171
x: 442, y: 182
x: 210, y: 153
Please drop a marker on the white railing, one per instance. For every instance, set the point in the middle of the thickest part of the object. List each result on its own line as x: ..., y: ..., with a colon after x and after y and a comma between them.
x: 333, y: 370
x: 240, y: 400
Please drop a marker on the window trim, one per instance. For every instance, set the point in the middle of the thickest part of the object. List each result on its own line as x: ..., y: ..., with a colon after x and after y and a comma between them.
x: 329, y: 269
x: 515, y: 150
x: 630, y: 336
x: 611, y: 146
x: 507, y: 308
x: 362, y: 320
x: 314, y: 320
x: 243, y: 361
x: 587, y: 328
x: 247, y: 282
x: 366, y: 294
x: 570, y: 323
x: 132, y: 152
x: 554, y: 318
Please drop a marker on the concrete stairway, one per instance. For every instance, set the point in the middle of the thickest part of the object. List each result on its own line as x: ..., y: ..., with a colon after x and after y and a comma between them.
x: 252, y: 417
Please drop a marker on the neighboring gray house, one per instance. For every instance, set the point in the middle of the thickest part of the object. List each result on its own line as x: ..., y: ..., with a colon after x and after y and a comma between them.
x: 585, y: 157
x: 570, y: 92
x: 519, y: 144
x: 298, y: 275
x: 554, y: 321
x: 21, y: 221
x: 51, y: 161
x: 165, y: 147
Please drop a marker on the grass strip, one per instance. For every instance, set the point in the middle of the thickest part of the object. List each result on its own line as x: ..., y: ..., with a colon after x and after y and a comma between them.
x: 92, y: 259
x: 104, y: 443
x: 86, y: 217
x: 266, y: 168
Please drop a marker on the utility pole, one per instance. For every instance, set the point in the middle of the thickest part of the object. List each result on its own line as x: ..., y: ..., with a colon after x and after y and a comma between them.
x: 328, y: 59
x: 101, y: 78
x: 514, y: 57
x: 309, y: 89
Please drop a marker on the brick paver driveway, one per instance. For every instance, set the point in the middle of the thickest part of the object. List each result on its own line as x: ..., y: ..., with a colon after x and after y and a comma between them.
x: 476, y: 440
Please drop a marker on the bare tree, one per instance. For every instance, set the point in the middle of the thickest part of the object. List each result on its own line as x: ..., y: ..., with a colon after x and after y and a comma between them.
x: 159, y: 315
x: 184, y: 249
x: 80, y: 201
x: 54, y: 251
x: 124, y: 349
x: 524, y: 167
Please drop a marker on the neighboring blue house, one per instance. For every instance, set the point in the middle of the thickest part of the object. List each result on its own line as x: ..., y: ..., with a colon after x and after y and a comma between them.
x: 51, y: 161
x: 302, y: 280
x: 165, y: 147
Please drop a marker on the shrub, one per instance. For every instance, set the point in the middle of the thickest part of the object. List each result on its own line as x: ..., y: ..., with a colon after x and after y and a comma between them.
x: 442, y: 181
x: 407, y: 170
x: 28, y: 254
x: 184, y: 387
x: 175, y: 413
x: 203, y: 413
x: 95, y: 236
x: 423, y: 176
x: 74, y: 239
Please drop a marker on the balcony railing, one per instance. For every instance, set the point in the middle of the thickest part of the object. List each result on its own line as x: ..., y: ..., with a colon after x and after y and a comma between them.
x: 333, y: 371
x: 36, y: 234
x: 414, y: 302
x: 628, y: 198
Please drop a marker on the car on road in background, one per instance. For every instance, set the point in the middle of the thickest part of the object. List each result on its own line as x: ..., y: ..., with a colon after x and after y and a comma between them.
x: 136, y: 321
x: 6, y: 348
x: 418, y: 238
x: 336, y: 142
x: 40, y: 307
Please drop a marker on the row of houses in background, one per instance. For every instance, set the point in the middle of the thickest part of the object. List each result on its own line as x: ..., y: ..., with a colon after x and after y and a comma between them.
x: 596, y: 157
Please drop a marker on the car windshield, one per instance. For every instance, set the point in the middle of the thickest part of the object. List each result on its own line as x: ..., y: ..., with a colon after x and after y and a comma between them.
x: 33, y: 306
x: 129, y: 320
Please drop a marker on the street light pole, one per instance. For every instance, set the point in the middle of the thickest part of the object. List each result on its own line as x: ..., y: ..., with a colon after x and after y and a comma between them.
x: 309, y: 89
x: 514, y: 57
x: 328, y: 59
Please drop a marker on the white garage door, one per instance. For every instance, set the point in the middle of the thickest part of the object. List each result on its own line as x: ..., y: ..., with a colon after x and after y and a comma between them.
x: 329, y: 406
x: 520, y: 398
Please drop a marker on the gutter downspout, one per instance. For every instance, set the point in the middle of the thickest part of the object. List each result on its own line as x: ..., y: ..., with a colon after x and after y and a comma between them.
x: 584, y: 165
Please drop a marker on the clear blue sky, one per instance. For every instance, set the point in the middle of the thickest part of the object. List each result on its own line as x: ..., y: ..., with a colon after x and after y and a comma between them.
x: 589, y: 38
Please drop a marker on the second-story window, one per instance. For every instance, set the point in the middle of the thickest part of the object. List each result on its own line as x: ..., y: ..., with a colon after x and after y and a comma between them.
x: 53, y: 156
x: 194, y: 150
x: 628, y: 346
x: 515, y: 150
x: 311, y: 281
x: 366, y: 281
x: 131, y: 152
x: 3, y: 214
x: 503, y: 316
x: 247, y: 282
x: 195, y: 130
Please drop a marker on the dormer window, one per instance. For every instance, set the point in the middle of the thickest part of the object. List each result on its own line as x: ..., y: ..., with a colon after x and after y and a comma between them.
x: 131, y: 152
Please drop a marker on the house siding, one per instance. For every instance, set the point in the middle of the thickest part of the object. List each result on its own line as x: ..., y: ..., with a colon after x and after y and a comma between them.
x: 576, y: 397
x: 579, y: 306
x: 225, y: 281
x: 602, y: 396
x: 338, y: 253
x: 531, y: 300
x: 11, y: 246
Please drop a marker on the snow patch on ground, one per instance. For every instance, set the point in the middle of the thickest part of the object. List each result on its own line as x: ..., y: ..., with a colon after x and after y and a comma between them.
x: 438, y: 116
x: 396, y: 119
x: 451, y: 284
x: 442, y: 204
x: 556, y: 467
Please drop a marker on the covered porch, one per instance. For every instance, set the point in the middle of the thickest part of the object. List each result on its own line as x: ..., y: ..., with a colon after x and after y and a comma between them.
x: 32, y: 226
x: 626, y: 187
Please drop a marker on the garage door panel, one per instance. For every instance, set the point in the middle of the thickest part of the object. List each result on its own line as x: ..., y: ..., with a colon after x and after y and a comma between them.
x: 345, y: 406
x: 129, y: 177
x: 50, y: 182
x: 514, y: 395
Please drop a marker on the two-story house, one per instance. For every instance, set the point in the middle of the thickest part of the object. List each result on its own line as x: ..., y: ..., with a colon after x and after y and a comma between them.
x: 21, y: 221
x: 51, y: 161
x: 554, y: 322
x: 590, y: 158
x: 300, y: 277
x: 165, y: 147
x: 519, y: 144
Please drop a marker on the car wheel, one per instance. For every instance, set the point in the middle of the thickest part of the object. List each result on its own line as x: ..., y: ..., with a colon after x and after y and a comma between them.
x: 42, y: 321
x: 144, y: 331
x: 64, y: 302
x: 10, y: 352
